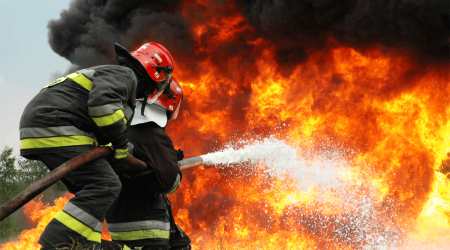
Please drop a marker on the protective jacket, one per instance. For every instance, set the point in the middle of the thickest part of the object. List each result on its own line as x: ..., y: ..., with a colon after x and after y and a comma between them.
x: 80, y: 110
x: 67, y: 118
x: 140, y: 215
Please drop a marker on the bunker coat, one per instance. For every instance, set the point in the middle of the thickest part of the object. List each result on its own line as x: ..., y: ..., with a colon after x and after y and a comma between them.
x: 66, y: 118
x: 141, y: 215
x: 79, y: 110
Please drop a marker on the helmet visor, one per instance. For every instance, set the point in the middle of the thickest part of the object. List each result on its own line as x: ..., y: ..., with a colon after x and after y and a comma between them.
x: 175, y: 114
x: 161, y: 86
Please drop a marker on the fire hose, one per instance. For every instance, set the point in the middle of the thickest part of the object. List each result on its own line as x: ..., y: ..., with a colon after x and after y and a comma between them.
x: 58, y: 173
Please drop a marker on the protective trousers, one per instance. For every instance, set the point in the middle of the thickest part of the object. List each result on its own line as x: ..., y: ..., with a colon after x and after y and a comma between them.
x: 95, y: 186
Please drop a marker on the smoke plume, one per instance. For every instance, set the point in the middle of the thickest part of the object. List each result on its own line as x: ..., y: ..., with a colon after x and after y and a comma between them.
x: 420, y: 27
x: 87, y: 30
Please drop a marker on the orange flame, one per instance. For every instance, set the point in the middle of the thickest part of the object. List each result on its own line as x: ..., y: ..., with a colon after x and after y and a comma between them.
x: 390, y: 114
x: 385, y: 113
x: 40, y: 213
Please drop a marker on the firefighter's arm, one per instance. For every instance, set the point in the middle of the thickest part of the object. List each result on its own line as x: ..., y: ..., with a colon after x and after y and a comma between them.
x: 151, y: 176
x: 111, y: 88
x: 153, y: 146
x: 180, y: 155
x: 175, y: 184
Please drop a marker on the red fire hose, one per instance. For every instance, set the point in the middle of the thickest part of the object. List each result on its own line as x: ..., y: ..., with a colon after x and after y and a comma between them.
x: 58, y: 173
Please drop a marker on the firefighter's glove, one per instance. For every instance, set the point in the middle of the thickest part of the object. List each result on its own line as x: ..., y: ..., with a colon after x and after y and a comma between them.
x: 180, y: 154
x: 120, y: 152
x: 117, y: 165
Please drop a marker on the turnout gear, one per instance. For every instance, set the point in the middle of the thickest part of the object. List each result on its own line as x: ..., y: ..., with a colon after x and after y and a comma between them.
x: 172, y: 100
x: 141, y: 217
x: 159, y: 65
x: 152, y: 145
x: 155, y: 58
x: 178, y: 238
x: 165, y: 107
x: 96, y: 187
x: 154, y: 64
x: 144, y: 83
x: 72, y: 115
x: 180, y: 154
x: 112, y: 245
x: 120, y: 147
x: 80, y: 110
x: 152, y: 113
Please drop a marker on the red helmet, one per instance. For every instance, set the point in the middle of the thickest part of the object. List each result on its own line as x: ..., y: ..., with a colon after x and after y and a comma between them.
x: 170, y: 102
x: 155, y: 58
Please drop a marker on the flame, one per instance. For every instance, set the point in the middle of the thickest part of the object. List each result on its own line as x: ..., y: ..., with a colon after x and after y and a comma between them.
x: 385, y: 113
x: 392, y: 122
x: 41, y: 214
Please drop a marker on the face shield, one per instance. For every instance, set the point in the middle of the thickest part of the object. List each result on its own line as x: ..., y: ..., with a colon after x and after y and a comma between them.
x: 162, y: 85
x: 175, y: 114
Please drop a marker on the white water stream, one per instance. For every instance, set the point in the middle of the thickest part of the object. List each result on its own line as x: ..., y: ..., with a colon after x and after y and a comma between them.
x: 324, y: 170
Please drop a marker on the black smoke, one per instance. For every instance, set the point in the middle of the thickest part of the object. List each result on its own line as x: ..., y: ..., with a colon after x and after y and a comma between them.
x: 420, y: 28
x: 87, y: 30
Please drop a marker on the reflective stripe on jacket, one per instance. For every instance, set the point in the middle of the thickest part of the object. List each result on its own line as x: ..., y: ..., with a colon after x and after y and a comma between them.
x: 139, y: 230
x: 81, y: 222
x: 139, y: 216
x: 81, y: 109
x: 61, y: 136
x: 136, y: 219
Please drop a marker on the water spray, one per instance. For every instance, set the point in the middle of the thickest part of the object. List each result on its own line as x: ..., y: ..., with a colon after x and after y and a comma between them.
x: 278, y: 156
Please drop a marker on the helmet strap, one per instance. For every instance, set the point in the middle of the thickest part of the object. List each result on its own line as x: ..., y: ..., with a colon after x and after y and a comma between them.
x: 144, y: 104
x: 149, y: 91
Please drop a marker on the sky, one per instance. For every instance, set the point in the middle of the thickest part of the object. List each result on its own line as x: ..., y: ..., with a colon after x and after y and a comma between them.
x: 27, y: 63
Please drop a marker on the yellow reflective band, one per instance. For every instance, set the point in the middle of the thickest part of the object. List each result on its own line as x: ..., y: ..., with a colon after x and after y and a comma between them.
x: 121, y: 153
x: 77, y: 77
x: 125, y: 120
x: 95, y: 236
x: 108, y: 119
x: 77, y: 226
x: 82, y: 80
x: 126, y: 248
x: 140, y: 235
x: 61, y: 141
x: 57, y: 81
x: 174, y: 189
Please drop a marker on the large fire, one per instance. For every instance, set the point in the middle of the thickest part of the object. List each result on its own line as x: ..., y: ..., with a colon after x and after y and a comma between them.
x: 387, y: 114
x: 384, y: 112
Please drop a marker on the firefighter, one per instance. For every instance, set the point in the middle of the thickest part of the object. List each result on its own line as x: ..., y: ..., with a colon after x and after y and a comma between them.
x: 75, y: 114
x: 141, y: 217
